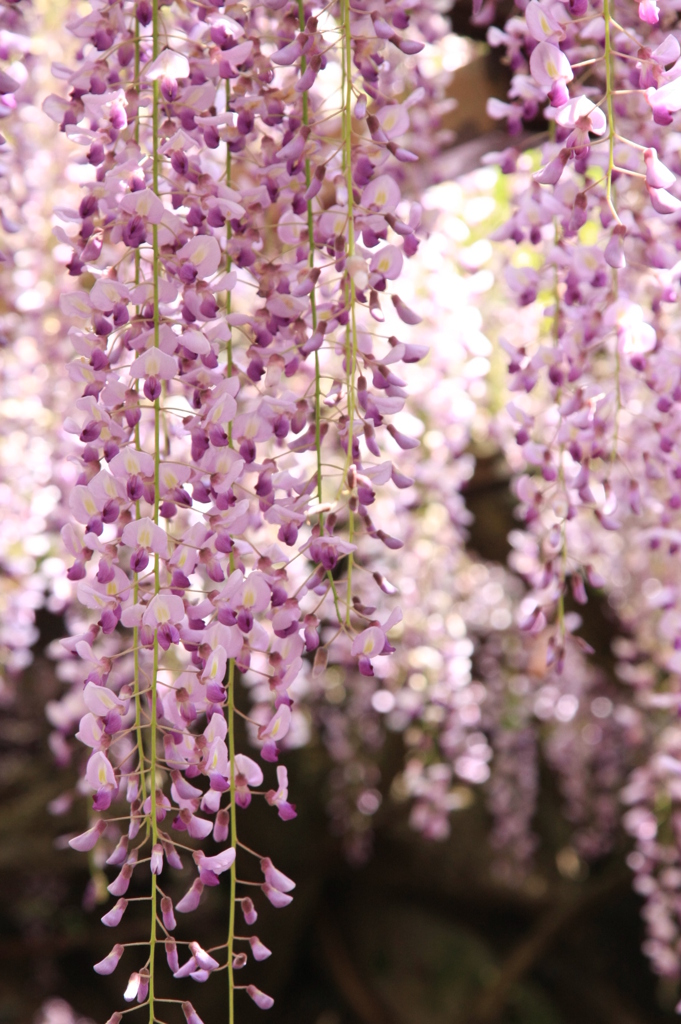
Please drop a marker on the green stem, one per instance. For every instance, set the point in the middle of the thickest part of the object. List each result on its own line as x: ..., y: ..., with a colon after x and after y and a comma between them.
x: 157, y: 482
x: 610, y: 107
x: 313, y: 297
x: 351, y: 332
x: 233, y: 833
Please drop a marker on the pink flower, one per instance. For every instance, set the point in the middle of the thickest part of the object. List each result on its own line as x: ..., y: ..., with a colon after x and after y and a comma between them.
x: 279, y: 798
x: 203, y: 253
x: 663, y: 201
x: 260, y: 999
x: 657, y: 175
x: 144, y: 203
x: 219, y: 863
x: 87, y: 840
x: 394, y: 120
x: 275, y: 730
x: 551, y: 69
x: 382, y: 193
x: 114, y: 916
x: 584, y: 117
x: 373, y: 641
x: 101, y: 777
x: 248, y: 774
x: 649, y: 12
x: 144, y: 536
x: 190, y: 900
x: 542, y: 22
x: 169, y: 65
x: 387, y: 262
x: 110, y: 962
x: 155, y: 363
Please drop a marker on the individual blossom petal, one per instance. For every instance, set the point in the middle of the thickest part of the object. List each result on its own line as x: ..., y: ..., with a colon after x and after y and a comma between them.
x: 101, y: 701
x: 121, y: 882
x: 614, y: 250
x: 190, y: 1014
x: 203, y: 252
x: 168, y: 64
x: 131, y: 462
x: 99, y: 771
x: 191, y: 898
x: 275, y: 730
x: 110, y: 962
x: 167, y: 914
x: 580, y: 112
x: 260, y: 999
x: 542, y: 22
x: 387, y: 262
x: 133, y: 987
x: 87, y: 840
x: 382, y: 193
x: 276, y: 878
x: 649, y: 12
x: 551, y: 69
x: 259, y: 949
x: 113, y: 918
x: 277, y: 898
x: 156, y: 859
x: 155, y: 363
x: 407, y: 315
x: 657, y: 174
x: 279, y: 798
x: 163, y: 608
x: 144, y: 533
x: 393, y: 119
x: 369, y: 642
x: 551, y: 174
x: 203, y: 959
x: 248, y: 910
x: 289, y: 53
x: 219, y: 863
x: 91, y: 732
x: 144, y: 203
x: 663, y: 201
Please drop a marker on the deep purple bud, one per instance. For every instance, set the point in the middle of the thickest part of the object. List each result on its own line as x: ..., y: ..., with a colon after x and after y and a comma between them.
x: 152, y: 388
x: 221, y: 826
x: 169, y: 89
x: 110, y: 512
x: 144, y: 12
x: 248, y: 910
x: 95, y: 154
x: 134, y: 232
x: 139, y: 560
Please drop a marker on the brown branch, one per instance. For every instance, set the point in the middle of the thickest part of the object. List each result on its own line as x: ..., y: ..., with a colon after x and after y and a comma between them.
x: 534, y: 946
x: 356, y: 992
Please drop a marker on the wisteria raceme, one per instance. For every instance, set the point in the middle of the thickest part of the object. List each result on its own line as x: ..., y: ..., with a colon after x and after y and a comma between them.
x: 34, y: 473
x: 240, y: 231
x: 597, y: 462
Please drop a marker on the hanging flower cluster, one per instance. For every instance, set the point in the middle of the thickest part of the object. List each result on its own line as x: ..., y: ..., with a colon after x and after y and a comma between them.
x: 595, y: 408
x: 238, y: 240
x: 33, y: 399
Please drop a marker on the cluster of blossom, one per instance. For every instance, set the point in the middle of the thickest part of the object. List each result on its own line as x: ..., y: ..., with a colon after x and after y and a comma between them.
x: 595, y: 409
x: 242, y: 489
x: 239, y: 230
x: 472, y: 697
x: 33, y: 401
